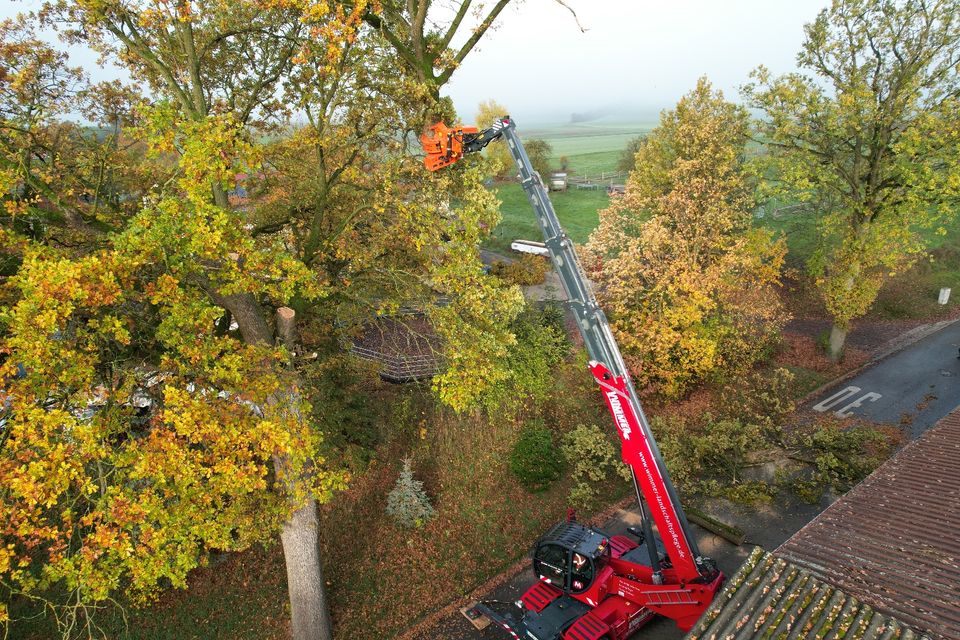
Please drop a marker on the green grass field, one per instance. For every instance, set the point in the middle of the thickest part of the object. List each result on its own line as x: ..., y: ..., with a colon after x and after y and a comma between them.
x: 590, y: 164
x: 577, y: 210
x: 590, y: 148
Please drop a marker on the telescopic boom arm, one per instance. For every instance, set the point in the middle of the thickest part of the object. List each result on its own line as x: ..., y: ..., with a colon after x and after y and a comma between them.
x: 655, y: 492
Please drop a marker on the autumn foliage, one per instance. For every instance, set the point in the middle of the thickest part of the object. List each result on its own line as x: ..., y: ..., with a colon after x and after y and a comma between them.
x: 153, y: 411
x: 688, y: 282
x: 866, y: 135
x: 137, y: 437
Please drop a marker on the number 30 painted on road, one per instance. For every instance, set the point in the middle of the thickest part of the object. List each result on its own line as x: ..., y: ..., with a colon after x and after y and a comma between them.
x: 845, y: 394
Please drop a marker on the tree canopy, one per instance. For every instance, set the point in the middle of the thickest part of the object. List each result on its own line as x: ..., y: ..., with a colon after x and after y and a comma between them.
x: 154, y: 393
x: 688, y: 282
x: 867, y: 135
x: 487, y: 112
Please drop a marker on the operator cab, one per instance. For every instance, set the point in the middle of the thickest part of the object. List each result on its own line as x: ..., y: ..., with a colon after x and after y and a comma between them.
x: 570, y: 555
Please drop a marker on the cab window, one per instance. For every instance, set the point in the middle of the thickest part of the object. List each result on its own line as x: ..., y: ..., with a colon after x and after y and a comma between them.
x: 581, y: 574
x: 550, y: 562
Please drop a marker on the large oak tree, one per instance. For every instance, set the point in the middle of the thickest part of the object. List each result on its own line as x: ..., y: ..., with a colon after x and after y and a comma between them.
x: 143, y: 432
x: 867, y: 134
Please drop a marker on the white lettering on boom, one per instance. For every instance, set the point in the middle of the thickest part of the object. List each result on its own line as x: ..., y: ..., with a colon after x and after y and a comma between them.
x: 622, y: 423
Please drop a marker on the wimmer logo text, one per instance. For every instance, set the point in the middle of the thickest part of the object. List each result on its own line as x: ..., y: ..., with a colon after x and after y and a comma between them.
x: 618, y: 414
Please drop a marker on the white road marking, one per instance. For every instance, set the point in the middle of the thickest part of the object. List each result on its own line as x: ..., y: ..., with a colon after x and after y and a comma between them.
x: 844, y: 412
x: 837, y: 398
x: 843, y: 395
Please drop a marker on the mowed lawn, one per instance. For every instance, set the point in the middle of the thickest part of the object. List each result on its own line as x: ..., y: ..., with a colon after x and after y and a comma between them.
x: 577, y: 209
x: 589, y: 149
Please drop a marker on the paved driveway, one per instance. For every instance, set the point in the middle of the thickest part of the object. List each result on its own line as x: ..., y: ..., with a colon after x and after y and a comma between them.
x: 913, y: 388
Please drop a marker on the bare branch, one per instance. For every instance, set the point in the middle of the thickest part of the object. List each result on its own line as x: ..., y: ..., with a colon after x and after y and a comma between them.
x: 575, y: 16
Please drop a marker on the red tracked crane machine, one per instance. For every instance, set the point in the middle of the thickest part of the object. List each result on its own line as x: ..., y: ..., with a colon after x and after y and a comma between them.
x: 594, y: 586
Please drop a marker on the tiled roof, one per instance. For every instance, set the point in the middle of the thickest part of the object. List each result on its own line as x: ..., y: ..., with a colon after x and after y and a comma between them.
x: 772, y: 598
x: 893, y: 541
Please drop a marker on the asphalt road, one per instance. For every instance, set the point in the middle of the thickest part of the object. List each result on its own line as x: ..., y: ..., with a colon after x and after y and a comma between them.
x: 912, y: 389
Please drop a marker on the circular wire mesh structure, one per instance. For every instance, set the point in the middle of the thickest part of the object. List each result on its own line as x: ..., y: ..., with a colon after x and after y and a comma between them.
x: 404, y: 345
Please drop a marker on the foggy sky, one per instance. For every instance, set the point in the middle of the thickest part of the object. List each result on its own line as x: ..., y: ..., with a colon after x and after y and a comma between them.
x: 640, y: 54
x: 636, y: 55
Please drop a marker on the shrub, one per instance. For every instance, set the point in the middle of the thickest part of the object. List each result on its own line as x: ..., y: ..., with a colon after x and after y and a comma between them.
x: 594, y: 459
x: 764, y: 399
x: 710, y: 457
x: 525, y: 271
x: 535, y: 460
x: 541, y: 346
x: 407, y: 502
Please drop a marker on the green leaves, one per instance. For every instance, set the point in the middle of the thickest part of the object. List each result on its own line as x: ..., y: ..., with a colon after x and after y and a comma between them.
x: 870, y: 140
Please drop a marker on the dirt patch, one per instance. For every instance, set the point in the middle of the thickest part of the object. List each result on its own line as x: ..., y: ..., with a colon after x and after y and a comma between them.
x: 803, y: 350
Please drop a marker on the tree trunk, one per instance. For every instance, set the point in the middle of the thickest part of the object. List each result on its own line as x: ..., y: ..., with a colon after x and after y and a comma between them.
x: 287, y: 328
x: 838, y: 336
x: 309, y: 615
x: 220, y: 196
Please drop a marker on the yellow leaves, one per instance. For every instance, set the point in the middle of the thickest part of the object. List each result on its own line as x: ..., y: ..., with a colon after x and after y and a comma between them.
x: 166, y: 290
x: 332, y: 28
x: 475, y: 328
x: 112, y: 327
x: 16, y: 207
x: 687, y: 283
x: 501, y: 162
x: 6, y: 556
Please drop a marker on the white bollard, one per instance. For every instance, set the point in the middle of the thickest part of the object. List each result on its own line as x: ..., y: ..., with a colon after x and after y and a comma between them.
x: 944, y: 295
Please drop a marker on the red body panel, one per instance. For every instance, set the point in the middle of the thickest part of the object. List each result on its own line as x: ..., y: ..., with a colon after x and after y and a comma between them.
x: 587, y: 627
x: 540, y: 595
x: 624, y: 599
x: 620, y: 545
x: 682, y: 604
x: 622, y: 618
